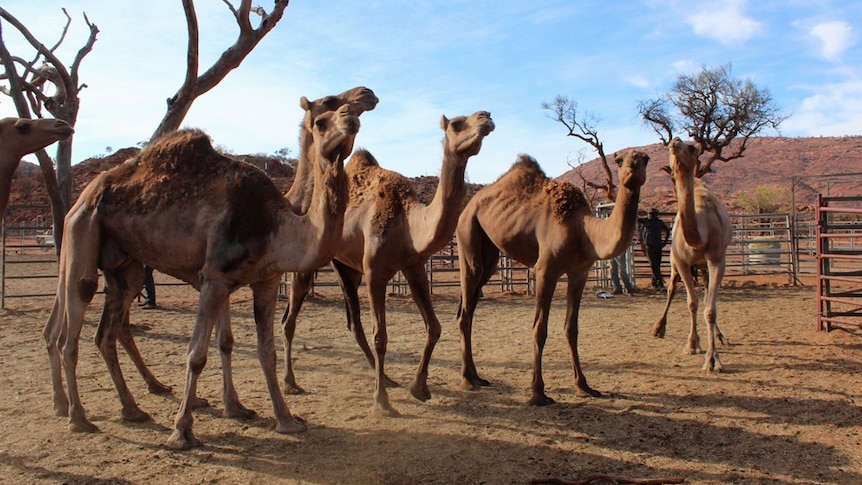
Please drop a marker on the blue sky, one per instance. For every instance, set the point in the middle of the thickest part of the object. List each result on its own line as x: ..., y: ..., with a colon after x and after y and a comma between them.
x: 425, y: 59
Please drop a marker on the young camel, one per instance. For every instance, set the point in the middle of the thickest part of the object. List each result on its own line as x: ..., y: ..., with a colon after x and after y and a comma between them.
x: 550, y: 226
x: 361, y: 99
x: 700, y: 236
x: 230, y: 227
x: 20, y: 136
x: 387, y: 229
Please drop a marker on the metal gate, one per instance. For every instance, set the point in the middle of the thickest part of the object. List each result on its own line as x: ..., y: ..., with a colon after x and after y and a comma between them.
x: 839, y: 261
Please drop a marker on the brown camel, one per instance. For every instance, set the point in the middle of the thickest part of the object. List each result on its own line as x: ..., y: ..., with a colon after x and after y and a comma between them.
x: 387, y: 229
x: 700, y: 236
x: 361, y: 99
x: 550, y: 226
x: 229, y: 227
x: 20, y: 136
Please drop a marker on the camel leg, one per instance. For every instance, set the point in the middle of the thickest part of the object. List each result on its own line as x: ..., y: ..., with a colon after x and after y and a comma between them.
x: 716, y: 273
x: 213, y: 296
x: 659, y: 328
x: 154, y: 386
x: 52, y: 334
x: 300, y: 285
x: 545, y: 285
x: 265, y: 295
x: 348, y: 280
x: 575, y: 291
x: 376, y: 284
x: 121, y: 286
x: 417, y: 278
x: 224, y: 336
x: 77, y: 284
x: 477, y: 259
x: 692, y: 346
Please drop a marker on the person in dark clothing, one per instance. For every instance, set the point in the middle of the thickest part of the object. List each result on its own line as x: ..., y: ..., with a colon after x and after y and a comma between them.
x: 654, y: 235
x: 149, y: 289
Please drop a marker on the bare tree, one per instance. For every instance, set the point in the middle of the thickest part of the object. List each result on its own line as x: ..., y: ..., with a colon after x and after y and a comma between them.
x: 717, y: 111
x: 194, y: 85
x: 45, y: 72
x: 64, y: 102
x: 565, y: 111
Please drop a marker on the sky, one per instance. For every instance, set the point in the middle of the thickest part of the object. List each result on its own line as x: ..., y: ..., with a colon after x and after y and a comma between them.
x: 429, y: 58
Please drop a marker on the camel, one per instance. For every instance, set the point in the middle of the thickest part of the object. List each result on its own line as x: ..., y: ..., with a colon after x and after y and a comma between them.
x: 20, y: 136
x: 230, y: 227
x: 700, y: 236
x: 547, y: 225
x: 361, y: 99
x: 388, y: 229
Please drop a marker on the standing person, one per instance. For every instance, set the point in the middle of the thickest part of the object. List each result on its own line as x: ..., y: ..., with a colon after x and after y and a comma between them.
x: 149, y: 289
x: 620, y: 274
x: 653, y: 242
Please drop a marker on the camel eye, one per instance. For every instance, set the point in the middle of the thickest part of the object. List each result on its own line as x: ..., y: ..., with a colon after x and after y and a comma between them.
x: 320, y: 123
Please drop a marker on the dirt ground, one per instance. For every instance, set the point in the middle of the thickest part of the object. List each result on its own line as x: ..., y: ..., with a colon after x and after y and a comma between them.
x: 786, y: 410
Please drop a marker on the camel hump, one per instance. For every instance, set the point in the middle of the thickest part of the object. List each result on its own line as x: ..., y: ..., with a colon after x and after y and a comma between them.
x: 363, y: 158
x: 181, y: 150
x: 565, y: 199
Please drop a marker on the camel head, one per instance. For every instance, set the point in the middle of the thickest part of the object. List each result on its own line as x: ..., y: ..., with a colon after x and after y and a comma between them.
x: 360, y: 98
x: 334, y: 132
x: 20, y: 136
x: 464, y: 134
x: 632, y: 169
x: 683, y: 158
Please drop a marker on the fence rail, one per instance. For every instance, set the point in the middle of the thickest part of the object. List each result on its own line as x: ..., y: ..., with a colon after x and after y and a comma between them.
x: 839, y: 268
x: 762, y: 245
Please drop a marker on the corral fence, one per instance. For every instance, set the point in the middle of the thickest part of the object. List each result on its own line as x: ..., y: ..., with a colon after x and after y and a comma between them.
x: 762, y: 244
x: 839, y: 268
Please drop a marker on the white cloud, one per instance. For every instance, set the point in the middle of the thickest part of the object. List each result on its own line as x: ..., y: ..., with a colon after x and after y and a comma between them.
x: 834, y: 38
x: 831, y: 110
x: 724, y: 21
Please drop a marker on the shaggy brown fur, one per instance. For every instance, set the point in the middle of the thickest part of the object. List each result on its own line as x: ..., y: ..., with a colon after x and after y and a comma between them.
x: 550, y: 227
x: 386, y: 230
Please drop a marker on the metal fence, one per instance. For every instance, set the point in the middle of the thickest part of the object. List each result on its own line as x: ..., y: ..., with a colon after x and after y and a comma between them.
x: 763, y: 244
x: 839, y: 269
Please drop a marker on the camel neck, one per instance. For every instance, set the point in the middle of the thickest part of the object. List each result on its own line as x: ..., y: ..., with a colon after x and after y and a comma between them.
x: 684, y: 185
x: 300, y: 193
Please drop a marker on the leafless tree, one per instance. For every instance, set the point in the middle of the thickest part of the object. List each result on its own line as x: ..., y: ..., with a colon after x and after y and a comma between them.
x: 583, y: 127
x: 717, y: 111
x: 64, y: 102
x: 31, y: 90
x: 193, y: 86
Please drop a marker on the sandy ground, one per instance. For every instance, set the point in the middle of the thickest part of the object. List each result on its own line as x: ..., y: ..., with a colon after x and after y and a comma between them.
x: 786, y: 410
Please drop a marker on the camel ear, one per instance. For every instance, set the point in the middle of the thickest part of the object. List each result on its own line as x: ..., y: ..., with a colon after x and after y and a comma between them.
x: 303, y: 103
x: 444, y: 122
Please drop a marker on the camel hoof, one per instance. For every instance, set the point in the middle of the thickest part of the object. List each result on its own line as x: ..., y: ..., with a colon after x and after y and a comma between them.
x: 292, y: 389
x: 384, y: 411
x: 540, y: 400
x: 198, y: 402
x: 82, y: 425
x: 658, y: 332
x: 134, y: 414
x: 588, y: 392
x: 61, y: 411
x: 389, y: 383
x: 291, y: 425
x: 159, y: 388
x: 420, y: 392
x: 238, y: 411
x: 183, y: 440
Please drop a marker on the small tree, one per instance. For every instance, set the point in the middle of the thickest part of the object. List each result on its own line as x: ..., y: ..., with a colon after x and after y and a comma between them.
x: 765, y: 199
x: 565, y: 111
x: 715, y: 110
